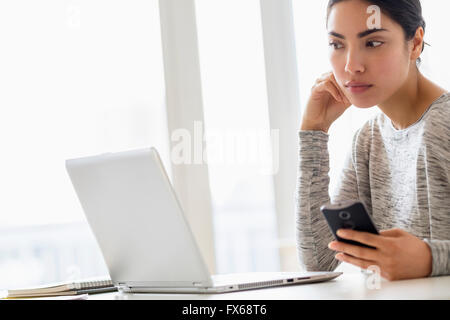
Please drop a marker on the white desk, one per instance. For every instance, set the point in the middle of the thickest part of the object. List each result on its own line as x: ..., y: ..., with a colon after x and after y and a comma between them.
x: 349, y: 286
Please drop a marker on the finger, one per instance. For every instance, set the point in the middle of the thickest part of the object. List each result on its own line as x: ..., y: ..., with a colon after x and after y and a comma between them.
x: 334, y: 83
x: 324, y: 76
x: 344, y: 97
x: 329, y: 87
x: 329, y: 76
x: 355, y: 251
x: 370, y: 239
x: 365, y: 264
x: 391, y: 232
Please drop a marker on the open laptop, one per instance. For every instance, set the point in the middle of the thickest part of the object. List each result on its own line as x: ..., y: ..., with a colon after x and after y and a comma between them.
x: 144, y: 236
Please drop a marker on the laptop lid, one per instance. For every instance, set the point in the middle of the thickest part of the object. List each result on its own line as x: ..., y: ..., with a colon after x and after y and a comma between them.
x: 137, y: 220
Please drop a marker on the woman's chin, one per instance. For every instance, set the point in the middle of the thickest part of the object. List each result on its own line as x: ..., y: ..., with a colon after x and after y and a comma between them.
x: 362, y: 104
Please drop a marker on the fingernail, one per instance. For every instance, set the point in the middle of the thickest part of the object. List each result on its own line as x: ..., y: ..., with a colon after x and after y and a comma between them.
x: 341, y: 233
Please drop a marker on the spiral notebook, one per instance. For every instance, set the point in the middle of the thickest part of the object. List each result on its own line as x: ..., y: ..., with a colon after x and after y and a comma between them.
x: 64, y: 289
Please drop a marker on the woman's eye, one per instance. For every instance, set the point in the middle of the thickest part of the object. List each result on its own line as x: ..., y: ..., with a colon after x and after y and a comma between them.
x: 374, y: 44
x: 335, y: 45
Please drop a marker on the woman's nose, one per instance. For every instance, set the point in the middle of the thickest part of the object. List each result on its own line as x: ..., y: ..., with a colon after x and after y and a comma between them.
x: 354, y: 64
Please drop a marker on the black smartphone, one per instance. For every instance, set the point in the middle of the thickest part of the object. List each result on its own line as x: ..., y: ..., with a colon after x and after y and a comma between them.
x: 348, y: 215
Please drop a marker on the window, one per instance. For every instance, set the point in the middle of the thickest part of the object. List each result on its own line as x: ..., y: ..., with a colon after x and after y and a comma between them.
x: 78, y: 78
x: 237, y: 131
x: 435, y: 62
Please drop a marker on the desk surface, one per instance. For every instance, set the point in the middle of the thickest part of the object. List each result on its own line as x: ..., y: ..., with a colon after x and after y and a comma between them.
x: 350, y: 286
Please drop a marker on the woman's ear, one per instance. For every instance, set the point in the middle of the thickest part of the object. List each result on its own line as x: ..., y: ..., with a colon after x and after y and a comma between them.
x: 417, y: 44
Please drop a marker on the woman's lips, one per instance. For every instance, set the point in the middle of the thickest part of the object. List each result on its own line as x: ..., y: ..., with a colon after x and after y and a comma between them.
x: 359, y: 88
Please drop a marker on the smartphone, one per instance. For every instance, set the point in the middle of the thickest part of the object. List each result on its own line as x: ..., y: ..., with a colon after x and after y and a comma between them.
x: 348, y: 215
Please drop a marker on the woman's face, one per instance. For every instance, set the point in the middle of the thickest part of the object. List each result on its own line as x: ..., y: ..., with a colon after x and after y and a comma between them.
x: 380, y: 59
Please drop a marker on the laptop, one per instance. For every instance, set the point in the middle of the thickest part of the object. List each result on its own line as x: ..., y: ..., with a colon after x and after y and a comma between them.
x: 143, y: 234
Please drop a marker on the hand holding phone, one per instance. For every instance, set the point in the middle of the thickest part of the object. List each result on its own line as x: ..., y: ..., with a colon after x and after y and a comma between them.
x: 348, y: 215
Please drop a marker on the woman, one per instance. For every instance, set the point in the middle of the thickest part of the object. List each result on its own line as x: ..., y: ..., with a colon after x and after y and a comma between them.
x: 399, y: 164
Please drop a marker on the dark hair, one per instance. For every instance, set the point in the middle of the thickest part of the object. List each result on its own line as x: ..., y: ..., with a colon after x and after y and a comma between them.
x: 407, y: 13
